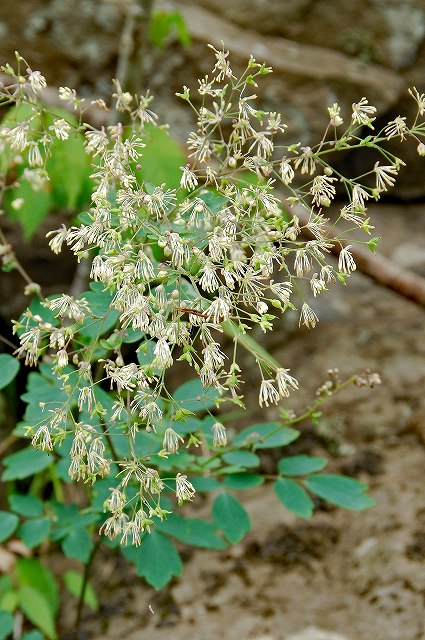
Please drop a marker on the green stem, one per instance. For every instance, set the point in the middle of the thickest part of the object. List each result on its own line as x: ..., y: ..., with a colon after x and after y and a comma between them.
x: 86, y: 576
x: 250, y: 344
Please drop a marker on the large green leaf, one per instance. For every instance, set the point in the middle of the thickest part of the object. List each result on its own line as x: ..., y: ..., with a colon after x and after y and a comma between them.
x: 231, y: 517
x: 9, y: 367
x: 194, y: 397
x: 38, y: 610
x: 163, y: 23
x: 193, y: 531
x: 104, y: 316
x: 266, y: 435
x: 36, y: 206
x: 77, y: 544
x: 8, y: 524
x: 241, y: 458
x: 162, y: 158
x: 69, y: 170
x: 300, y: 465
x: 6, y: 624
x: 31, y: 572
x: 239, y: 481
x: 156, y: 559
x: 204, y: 483
x: 294, y: 498
x: 340, y: 490
x: 74, y: 583
x: 34, y: 531
x: 32, y: 635
x: 28, y: 506
x: 25, y: 463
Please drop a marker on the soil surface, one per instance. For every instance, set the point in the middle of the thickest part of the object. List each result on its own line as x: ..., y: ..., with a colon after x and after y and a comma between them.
x: 342, y: 575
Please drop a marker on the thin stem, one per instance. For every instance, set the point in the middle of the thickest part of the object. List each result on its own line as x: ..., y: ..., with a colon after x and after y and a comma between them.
x: 8, y: 342
x: 86, y: 576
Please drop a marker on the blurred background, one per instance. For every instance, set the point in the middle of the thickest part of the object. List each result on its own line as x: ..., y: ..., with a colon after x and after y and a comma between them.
x: 343, y: 576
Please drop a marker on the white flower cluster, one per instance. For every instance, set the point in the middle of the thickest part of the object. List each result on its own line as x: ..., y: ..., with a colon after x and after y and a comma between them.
x: 186, y: 264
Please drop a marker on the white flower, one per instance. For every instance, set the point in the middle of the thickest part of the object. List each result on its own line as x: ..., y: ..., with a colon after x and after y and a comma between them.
x: 346, y: 262
x: 209, y: 281
x: 171, y: 441
x: 96, y: 141
x: 184, y: 489
x: 419, y: 98
x: 282, y: 290
x: 384, y: 176
x: 61, y: 129
x: 396, y: 127
x: 268, y: 393
x: 42, y: 439
x: 59, y: 238
x: 37, y: 81
x: 306, y: 160
x: 17, y: 137
x: 285, y: 382
x: 323, y: 190
x: 335, y: 118
x: 361, y: 113
x: 286, y: 171
x: 35, y: 158
x: 308, y: 317
x: 163, y: 358
x: 219, y: 435
x: 222, y: 68
x: 123, y: 98
x: 188, y: 180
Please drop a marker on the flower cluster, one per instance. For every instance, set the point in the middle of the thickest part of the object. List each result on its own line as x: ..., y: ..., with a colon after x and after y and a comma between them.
x: 224, y: 252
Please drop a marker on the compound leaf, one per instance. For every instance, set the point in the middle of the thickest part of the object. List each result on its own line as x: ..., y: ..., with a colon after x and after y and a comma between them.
x: 340, y: 490
x: 231, y: 517
x: 294, y: 498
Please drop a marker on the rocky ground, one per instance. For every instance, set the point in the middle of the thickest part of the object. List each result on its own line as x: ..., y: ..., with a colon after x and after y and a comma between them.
x: 343, y: 575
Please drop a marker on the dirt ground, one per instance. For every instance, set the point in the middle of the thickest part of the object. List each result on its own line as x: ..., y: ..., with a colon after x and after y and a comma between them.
x: 342, y: 575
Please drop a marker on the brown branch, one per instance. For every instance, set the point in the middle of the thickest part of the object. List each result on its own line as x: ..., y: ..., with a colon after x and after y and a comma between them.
x: 382, y: 270
x: 290, y: 57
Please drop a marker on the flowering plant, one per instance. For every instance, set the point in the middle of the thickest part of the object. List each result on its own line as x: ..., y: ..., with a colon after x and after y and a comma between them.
x: 176, y: 269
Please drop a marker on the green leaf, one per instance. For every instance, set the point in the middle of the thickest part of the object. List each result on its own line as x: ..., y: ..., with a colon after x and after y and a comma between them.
x: 32, y: 635
x: 28, y: 506
x: 37, y: 609
x: 9, y: 367
x: 300, y: 465
x: 340, y: 490
x: 77, y: 544
x: 36, y: 206
x: 241, y: 458
x: 258, y: 436
x: 8, y: 524
x: 74, y: 583
x: 69, y: 169
x: 238, y: 481
x: 70, y: 519
x: 25, y: 463
x: 156, y: 559
x: 6, y: 624
x: 30, y: 572
x: 165, y: 22
x: 294, y: 498
x: 194, y: 397
x: 231, y: 517
x: 162, y: 158
x: 105, y: 318
x: 194, y: 531
x: 34, y: 531
x: 204, y: 483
